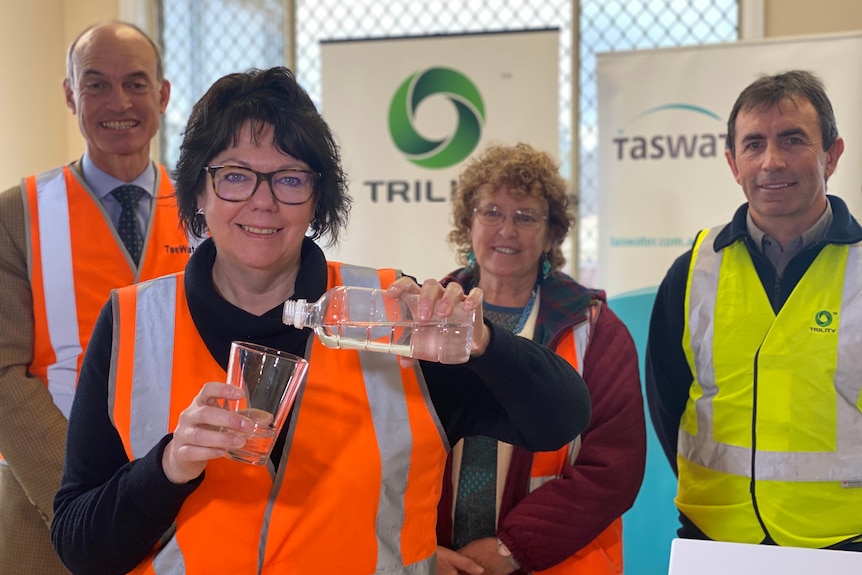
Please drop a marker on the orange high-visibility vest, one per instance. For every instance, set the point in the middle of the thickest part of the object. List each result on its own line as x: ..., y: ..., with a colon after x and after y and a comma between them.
x: 359, y: 477
x: 76, y: 258
x: 604, y: 554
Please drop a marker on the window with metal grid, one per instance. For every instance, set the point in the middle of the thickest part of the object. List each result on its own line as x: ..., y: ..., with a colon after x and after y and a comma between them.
x: 205, y: 39
x: 616, y: 25
x: 202, y: 40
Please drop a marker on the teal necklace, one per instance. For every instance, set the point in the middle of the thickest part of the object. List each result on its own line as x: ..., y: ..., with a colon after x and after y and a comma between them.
x: 511, y: 318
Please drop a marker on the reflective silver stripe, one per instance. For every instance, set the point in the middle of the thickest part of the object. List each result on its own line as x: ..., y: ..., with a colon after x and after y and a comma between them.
x: 155, y: 324
x: 424, y: 567
x: 704, y: 280
x: 169, y: 560
x: 574, y: 447
x: 359, y: 276
x: 702, y: 449
x: 382, y: 378
x: 152, y: 380
x: 58, y: 285
x: 536, y: 482
x: 115, y: 347
x: 772, y: 465
x: 848, y: 382
x: 582, y: 338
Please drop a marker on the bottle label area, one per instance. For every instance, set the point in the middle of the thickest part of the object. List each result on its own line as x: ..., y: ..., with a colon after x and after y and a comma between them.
x: 349, y: 317
x: 434, y: 341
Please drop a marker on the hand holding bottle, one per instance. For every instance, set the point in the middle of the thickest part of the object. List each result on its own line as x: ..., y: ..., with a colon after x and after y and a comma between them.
x: 434, y: 298
x: 431, y: 323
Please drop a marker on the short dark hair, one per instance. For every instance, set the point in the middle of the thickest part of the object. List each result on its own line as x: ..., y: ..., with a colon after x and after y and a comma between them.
x: 769, y: 91
x: 262, y: 98
x: 70, y: 53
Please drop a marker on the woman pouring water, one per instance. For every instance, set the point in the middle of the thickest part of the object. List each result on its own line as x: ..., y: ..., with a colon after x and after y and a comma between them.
x: 353, y: 481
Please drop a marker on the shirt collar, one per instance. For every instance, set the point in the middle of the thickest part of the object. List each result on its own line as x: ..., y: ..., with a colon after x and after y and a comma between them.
x: 811, y: 235
x: 103, y: 183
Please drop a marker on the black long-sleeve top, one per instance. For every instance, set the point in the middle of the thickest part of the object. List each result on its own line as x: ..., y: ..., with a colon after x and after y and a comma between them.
x: 110, y: 512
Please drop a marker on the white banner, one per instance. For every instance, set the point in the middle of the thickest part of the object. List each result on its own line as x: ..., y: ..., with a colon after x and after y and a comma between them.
x: 662, y: 120
x: 663, y: 177
x: 407, y: 112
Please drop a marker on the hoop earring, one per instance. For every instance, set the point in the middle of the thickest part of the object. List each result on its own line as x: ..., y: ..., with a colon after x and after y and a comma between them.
x: 199, y: 220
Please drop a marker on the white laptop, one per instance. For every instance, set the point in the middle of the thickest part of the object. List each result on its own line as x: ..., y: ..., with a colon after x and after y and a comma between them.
x: 694, y: 557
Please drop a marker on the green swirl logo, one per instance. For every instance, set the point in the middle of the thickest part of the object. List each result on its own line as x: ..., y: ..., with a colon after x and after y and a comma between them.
x: 467, y: 102
x: 823, y: 318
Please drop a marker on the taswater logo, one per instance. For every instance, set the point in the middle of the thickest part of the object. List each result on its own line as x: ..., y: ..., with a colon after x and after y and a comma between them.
x: 463, y: 95
x: 687, y: 107
x: 673, y: 143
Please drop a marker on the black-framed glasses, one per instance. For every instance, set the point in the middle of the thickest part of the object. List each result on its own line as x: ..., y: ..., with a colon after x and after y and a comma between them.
x: 525, y: 219
x: 238, y: 184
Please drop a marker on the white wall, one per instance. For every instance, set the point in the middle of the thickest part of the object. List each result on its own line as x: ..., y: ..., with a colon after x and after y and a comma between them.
x: 40, y: 131
x: 32, y: 111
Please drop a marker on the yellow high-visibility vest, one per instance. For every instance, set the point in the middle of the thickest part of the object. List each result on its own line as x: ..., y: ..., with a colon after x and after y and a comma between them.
x: 770, y: 443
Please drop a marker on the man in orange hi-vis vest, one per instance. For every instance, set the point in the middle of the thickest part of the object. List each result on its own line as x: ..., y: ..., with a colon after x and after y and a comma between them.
x: 67, y: 237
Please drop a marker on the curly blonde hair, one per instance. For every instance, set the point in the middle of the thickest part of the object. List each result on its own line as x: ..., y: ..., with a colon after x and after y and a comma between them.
x: 523, y: 171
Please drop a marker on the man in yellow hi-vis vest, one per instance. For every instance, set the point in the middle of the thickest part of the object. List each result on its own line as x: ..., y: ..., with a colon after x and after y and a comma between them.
x: 753, y: 364
x: 67, y: 237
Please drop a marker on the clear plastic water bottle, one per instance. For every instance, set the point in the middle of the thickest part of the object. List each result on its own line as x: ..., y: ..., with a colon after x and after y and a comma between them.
x: 349, y: 317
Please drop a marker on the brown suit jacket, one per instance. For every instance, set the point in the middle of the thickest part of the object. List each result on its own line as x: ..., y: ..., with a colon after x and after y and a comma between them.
x: 32, y: 428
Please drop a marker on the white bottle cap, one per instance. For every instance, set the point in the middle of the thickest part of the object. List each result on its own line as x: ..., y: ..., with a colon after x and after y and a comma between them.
x: 294, y: 313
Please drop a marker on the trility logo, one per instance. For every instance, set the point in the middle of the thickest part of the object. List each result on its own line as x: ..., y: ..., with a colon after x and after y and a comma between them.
x: 463, y: 95
x: 823, y: 319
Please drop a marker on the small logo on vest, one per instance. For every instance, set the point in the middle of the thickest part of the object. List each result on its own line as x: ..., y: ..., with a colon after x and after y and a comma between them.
x: 823, y: 319
x: 180, y: 249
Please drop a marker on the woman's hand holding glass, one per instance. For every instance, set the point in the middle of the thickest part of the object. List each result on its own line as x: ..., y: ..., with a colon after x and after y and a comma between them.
x: 204, y: 431
x: 434, y: 298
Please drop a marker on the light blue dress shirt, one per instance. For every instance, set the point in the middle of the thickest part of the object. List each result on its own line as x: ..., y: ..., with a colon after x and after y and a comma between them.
x: 102, y: 184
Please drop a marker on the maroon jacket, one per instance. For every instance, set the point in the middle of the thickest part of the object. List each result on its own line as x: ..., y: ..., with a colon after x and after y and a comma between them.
x: 554, y: 522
